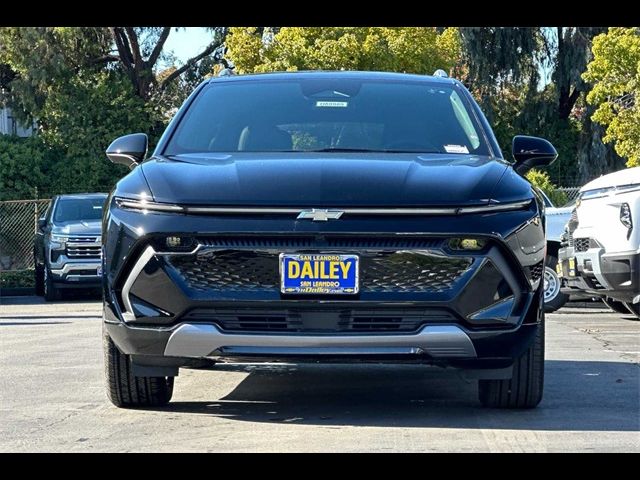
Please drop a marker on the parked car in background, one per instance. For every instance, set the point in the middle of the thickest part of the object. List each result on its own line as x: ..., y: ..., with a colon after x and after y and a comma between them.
x: 556, y: 220
x: 602, y: 254
x: 326, y: 216
x: 67, y: 247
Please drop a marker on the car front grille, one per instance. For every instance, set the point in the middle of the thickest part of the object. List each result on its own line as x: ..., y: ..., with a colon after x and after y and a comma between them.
x: 329, y: 241
x: 536, y: 271
x: 401, y: 271
x: 83, y: 251
x: 581, y: 244
x: 83, y: 247
x: 325, y: 321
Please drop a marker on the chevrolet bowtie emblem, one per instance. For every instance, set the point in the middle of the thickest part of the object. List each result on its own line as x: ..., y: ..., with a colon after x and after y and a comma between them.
x: 319, y: 215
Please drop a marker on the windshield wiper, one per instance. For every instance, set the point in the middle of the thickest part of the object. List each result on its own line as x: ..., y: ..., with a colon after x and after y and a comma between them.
x: 367, y: 150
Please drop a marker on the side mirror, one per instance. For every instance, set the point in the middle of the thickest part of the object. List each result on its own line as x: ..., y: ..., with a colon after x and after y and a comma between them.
x: 42, y: 223
x: 128, y: 150
x: 530, y: 152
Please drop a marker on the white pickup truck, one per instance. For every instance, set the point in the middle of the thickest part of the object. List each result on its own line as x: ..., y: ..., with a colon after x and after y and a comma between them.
x: 602, y: 255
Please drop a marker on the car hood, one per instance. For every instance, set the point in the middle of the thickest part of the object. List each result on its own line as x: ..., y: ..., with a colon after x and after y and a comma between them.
x: 83, y: 227
x: 325, y: 180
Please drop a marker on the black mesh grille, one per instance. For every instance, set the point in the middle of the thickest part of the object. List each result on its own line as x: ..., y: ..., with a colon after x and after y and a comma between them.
x: 232, y: 270
x: 581, y: 244
x: 384, y: 272
x: 411, y: 272
x: 326, y: 321
x: 536, y: 271
x: 319, y: 242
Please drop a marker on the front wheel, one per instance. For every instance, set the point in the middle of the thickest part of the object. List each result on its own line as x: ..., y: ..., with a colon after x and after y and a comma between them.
x: 524, y: 388
x: 51, y: 292
x: 554, y: 299
x: 126, y: 390
x: 38, y: 273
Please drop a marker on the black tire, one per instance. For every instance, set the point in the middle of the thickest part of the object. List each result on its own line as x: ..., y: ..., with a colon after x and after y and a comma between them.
x: 50, y: 291
x: 558, y: 299
x: 128, y: 391
x: 524, y: 389
x: 615, y: 305
x: 634, y: 308
x: 38, y: 273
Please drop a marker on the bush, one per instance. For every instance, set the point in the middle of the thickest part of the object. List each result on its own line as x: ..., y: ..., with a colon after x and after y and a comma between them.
x: 543, y: 182
x: 17, y: 278
x: 25, y: 164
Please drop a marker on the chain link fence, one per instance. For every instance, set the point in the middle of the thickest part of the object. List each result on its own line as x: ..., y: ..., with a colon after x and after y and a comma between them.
x: 570, y: 192
x: 18, y: 224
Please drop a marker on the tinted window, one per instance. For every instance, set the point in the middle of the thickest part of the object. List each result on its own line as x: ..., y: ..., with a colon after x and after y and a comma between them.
x: 77, y: 209
x: 329, y: 113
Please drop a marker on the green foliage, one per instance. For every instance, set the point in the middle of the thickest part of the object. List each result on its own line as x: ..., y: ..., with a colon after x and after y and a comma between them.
x: 25, y: 164
x: 17, y: 279
x: 615, y: 73
x: 400, y: 49
x: 81, y: 105
x: 83, y: 117
x: 543, y: 182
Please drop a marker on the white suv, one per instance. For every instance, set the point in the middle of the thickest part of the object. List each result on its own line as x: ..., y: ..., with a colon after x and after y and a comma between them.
x: 603, y: 252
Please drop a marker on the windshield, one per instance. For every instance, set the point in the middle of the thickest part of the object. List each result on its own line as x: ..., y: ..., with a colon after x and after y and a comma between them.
x: 78, y: 209
x: 328, y: 114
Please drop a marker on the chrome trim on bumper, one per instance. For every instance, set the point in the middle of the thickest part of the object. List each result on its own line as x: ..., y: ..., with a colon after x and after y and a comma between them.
x: 203, y: 340
x: 127, y: 313
x: 70, y: 267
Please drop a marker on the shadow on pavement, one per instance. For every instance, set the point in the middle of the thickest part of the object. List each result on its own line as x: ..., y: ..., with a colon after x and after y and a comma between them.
x: 599, y: 396
x: 70, y: 297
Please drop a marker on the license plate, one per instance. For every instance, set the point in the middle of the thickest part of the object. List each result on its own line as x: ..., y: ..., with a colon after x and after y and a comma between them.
x: 572, y: 267
x: 319, y: 274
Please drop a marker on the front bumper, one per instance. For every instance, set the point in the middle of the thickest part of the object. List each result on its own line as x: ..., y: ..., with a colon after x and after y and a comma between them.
x: 419, y: 299
x: 602, y: 274
x: 86, y: 273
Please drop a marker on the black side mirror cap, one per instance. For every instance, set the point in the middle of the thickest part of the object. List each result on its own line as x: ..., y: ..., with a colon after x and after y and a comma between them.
x: 42, y: 223
x: 531, y: 152
x: 128, y: 150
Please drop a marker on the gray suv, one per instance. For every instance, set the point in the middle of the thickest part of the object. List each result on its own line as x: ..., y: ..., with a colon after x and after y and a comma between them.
x: 68, y: 246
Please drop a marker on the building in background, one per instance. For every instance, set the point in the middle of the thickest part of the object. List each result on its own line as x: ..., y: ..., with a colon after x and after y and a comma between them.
x: 9, y: 125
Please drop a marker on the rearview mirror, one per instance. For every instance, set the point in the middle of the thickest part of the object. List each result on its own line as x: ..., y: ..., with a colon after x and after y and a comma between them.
x: 530, y: 152
x: 42, y: 223
x: 128, y: 150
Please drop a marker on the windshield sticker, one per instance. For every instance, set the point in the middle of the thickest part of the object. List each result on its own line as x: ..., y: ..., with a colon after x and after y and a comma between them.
x: 331, y: 104
x: 456, y: 149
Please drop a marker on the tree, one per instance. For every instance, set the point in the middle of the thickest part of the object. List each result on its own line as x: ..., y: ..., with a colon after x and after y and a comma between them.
x: 615, y: 74
x: 502, y: 67
x: 403, y: 49
x: 88, y: 85
x: 140, y: 48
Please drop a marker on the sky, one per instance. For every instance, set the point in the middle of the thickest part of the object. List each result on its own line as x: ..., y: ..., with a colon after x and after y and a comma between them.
x: 187, y: 42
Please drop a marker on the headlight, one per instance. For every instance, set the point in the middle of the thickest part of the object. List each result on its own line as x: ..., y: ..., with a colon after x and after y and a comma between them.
x: 58, y: 242
x: 625, y: 217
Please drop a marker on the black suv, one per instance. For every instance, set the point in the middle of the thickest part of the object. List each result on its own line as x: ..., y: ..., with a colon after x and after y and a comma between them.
x: 325, y: 216
x: 67, y: 250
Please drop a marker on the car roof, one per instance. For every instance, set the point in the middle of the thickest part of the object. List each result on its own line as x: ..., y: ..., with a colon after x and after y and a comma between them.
x: 626, y: 176
x: 343, y: 74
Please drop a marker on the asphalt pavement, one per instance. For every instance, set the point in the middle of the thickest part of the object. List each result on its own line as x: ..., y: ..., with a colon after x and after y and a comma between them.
x: 52, y: 396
